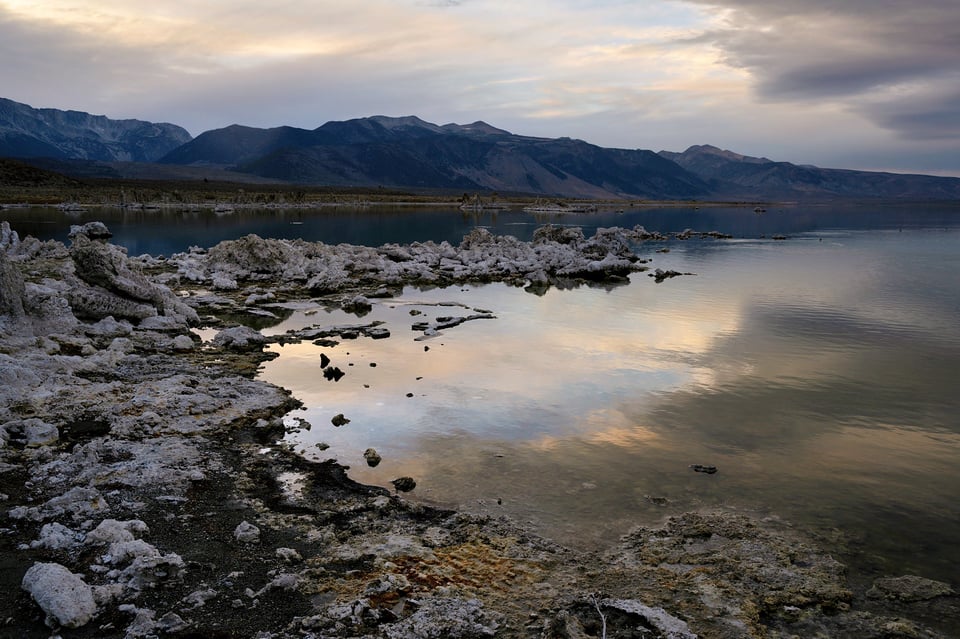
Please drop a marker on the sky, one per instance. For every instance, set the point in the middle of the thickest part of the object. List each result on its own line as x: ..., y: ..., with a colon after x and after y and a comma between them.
x: 863, y: 84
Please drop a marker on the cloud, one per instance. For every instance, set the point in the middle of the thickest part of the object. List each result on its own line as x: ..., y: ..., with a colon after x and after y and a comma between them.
x: 796, y: 80
x: 886, y: 59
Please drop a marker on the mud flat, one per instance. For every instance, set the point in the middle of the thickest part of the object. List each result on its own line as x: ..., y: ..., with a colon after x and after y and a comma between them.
x: 146, y: 490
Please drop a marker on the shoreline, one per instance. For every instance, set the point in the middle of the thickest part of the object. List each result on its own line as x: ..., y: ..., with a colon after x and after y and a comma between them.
x: 146, y: 469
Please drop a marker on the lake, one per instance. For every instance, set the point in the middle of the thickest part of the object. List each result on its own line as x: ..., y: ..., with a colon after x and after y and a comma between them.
x: 819, y: 374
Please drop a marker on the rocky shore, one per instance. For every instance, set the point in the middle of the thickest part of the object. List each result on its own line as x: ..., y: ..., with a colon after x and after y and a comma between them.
x: 146, y: 490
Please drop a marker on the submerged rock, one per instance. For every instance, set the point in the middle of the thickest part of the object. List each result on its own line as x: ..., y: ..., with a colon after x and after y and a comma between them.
x: 373, y: 457
x: 703, y: 468
x: 404, y: 484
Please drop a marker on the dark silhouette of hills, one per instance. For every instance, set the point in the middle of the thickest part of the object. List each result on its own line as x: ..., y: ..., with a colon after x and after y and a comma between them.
x: 20, y: 174
x: 26, y: 132
x: 730, y: 174
x: 412, y: 154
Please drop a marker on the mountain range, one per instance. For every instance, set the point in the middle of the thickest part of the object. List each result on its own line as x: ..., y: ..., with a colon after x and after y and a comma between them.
x: 410, y: 153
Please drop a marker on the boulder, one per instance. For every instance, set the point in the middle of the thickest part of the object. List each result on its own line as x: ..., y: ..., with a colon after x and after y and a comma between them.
x: 64, y: 596
x: 239, y: 338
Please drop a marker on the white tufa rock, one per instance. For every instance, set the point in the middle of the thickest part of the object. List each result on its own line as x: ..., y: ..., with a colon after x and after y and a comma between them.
x: 56, y: 536
x: 64, y: 596
x: 110, y: 531
x: 288, y: 555
x: 239, y: 338
x: 247, y: 533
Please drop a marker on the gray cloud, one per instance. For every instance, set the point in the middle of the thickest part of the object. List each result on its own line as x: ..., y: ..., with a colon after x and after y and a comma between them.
x: 887, y: 59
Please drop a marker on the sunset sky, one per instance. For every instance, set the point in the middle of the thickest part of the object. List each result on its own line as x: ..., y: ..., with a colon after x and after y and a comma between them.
x: 867, y: 84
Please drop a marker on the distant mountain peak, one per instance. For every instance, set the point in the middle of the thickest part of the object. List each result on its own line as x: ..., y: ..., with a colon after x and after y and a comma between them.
x: 476, y: 128
x: 389, y: 122
x: 411, y: 121
x: 709, y: 149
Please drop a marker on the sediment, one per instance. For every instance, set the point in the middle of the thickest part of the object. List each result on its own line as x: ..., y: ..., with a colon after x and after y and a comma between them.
x: 146, y: 489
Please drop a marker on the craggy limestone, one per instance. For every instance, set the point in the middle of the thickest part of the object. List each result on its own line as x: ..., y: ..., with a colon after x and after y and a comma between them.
x: 147, y: 492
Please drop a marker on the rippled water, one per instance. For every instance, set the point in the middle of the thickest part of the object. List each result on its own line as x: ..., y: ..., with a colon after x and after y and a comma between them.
x: 819, y: 374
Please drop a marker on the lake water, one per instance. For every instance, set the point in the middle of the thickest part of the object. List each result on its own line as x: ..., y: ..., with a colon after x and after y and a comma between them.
x: 820, y: 375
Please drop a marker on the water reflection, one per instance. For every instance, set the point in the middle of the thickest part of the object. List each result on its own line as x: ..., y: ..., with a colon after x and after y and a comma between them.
x: 820, y: 377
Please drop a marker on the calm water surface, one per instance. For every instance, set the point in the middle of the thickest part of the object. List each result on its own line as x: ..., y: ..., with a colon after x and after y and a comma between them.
x: 820, y: 374
x: 165, y: 232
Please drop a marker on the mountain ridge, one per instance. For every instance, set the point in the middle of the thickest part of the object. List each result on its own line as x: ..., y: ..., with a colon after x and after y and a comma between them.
x: 410, y: 153
x: 29, y: 132
x: 730, y: 174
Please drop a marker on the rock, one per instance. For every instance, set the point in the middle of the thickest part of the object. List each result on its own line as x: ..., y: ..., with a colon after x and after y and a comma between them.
x: 240, y: 338
x: 702, y: 468
x: 908, y: 588
x: 94, y: 230
x: 172, y: 623
x: 199, y: 598
x: 378, y: 332
x: 450, y: 618
x: 359, y: 305
x: 659, y: 275
x: 30, y: 433
x: 556, y: 254
x: 333, y: 373
x: 324, y: 360
x: 388, y: 584
x: 56, y: 536
x: 285, y: 581
x: 108, y: 285
x: 288, y: 555
x: 373, y: 458
x: 247, y: 533
x: 339, y: 420
x: 65, y: 598
x: 111, y: 531
x: 183, y: 343
x: 668, y: 626
x: 404, y: 484
x: 144, y: 624
x: 11, y: 290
